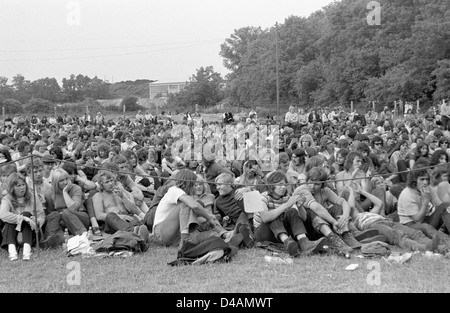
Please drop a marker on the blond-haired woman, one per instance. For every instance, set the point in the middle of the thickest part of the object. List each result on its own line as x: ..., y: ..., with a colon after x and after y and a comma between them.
x: 17, y: 212
x: 64, y: 205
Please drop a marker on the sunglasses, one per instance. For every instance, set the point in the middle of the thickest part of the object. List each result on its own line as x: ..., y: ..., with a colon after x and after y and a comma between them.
x: 444, y: 143
x: 378, y: 143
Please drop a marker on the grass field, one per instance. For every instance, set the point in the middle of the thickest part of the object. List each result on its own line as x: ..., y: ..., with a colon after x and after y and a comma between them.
x: 53, y: 272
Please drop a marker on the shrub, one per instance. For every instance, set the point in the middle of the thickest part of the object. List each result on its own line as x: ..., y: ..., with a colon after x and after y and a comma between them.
x: 37, y: 105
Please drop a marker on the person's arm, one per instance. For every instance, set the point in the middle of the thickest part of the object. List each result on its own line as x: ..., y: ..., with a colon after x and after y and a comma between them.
x: 82, y: 178
x: 72, y: 196
x: 99, y: 209
x: 340, y: 186
x: 378, y: 205
x: 196, y: 207
x: 6, y: 214
x: 271, y: 215
x: 444, y: 191
x: 423, y: 207
x: 165, y: 166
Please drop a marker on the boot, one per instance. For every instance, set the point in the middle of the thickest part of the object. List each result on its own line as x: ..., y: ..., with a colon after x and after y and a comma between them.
x: 311, y: 247
x: 337, y: 243
x: 291, y: 246
x: 348, y: 238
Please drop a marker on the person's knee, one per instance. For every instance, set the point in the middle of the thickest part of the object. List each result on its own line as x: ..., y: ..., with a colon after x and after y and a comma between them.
x: 291, y: 213
x: 27, y: 214
x: 110, y: 216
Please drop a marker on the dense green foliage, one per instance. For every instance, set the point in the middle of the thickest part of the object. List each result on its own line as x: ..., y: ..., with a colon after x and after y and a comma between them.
x: 334, y: 56
x: 205, y: 88
x: 73, y: 89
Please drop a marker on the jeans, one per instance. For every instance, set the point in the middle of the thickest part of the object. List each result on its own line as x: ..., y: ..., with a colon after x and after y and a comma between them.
x: 114, y: 223
x: 9, y: 233
x: 289, y: 223
x: 317, y: 222
x: 432, y: 223
x: 183, y: 220
x: 401, y: 235
x: 76, y: 222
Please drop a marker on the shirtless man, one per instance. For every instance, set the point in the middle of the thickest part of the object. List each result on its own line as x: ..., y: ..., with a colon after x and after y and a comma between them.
x: 115, y: 207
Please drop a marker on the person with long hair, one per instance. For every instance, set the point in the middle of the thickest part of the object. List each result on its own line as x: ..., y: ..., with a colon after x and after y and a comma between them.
x: 65, y: 209
x: 298, y: 161
x: 283, y: 217
x: 353, y: 175
x: 421, y: 151
x: 251, y: 178
x: 114, y: 207
x: 327, y: 148
x: 328, y: 213
x: 340, y: 159
x: 399, y: 158
x: 17, y: 212
x: 176, y: 216
x: 420, y: 207
x: 5, y: 156
x: 439, y: 157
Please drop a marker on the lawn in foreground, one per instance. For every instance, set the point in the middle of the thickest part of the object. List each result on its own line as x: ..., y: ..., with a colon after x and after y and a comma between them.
x: 52, y: 272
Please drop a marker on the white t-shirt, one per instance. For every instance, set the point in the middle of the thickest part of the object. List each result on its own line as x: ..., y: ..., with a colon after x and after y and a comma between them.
x: 168, y: 203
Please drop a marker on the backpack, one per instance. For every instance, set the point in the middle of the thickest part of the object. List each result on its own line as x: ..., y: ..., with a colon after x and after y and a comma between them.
x: 121, y: 240
x: 212, y: 249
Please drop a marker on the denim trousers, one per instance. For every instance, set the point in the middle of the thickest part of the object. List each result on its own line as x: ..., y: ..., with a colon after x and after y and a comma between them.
x: 432, y: 223
x: 403, y: 236
x: 10, y: 233
x: 289, y: 222
x: 113, y: 223
x: 76, y: 222
x: 183, y: 219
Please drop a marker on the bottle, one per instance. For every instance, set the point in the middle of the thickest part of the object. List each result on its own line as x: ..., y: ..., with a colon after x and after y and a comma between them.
x: 66, y: 238
x: 90, y: 234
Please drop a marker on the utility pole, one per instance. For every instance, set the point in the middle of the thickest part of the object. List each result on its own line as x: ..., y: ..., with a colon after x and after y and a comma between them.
x: 277, y: 69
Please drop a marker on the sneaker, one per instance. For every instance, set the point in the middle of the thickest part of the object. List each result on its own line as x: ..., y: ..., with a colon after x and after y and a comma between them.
x: 361, y: 235
x: 12, y: 252
x: 337, y: 243
x: 351, y: 241
x: 311, y: 247
x: 13, y: 257
x: 26, y: 252
x: 26, y: 256
x: 247, y: 240
x: 291, y: 246
x: 143, y: 232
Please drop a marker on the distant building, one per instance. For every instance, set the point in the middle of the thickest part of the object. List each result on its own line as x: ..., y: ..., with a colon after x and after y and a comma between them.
x: 162, y: 89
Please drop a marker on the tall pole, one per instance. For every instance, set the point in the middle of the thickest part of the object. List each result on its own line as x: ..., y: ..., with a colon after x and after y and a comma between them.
x: 277, y: 69
x: 38, y: 237
x: 3, y: 115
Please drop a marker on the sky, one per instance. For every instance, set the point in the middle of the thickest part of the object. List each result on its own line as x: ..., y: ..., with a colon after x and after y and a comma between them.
x: 129, y: 39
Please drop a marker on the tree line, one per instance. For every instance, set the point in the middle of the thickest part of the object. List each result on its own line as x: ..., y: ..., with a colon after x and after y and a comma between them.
x: 334, y: 56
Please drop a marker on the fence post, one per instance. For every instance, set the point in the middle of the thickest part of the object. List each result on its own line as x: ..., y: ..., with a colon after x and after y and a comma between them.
x: 34, y: 207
